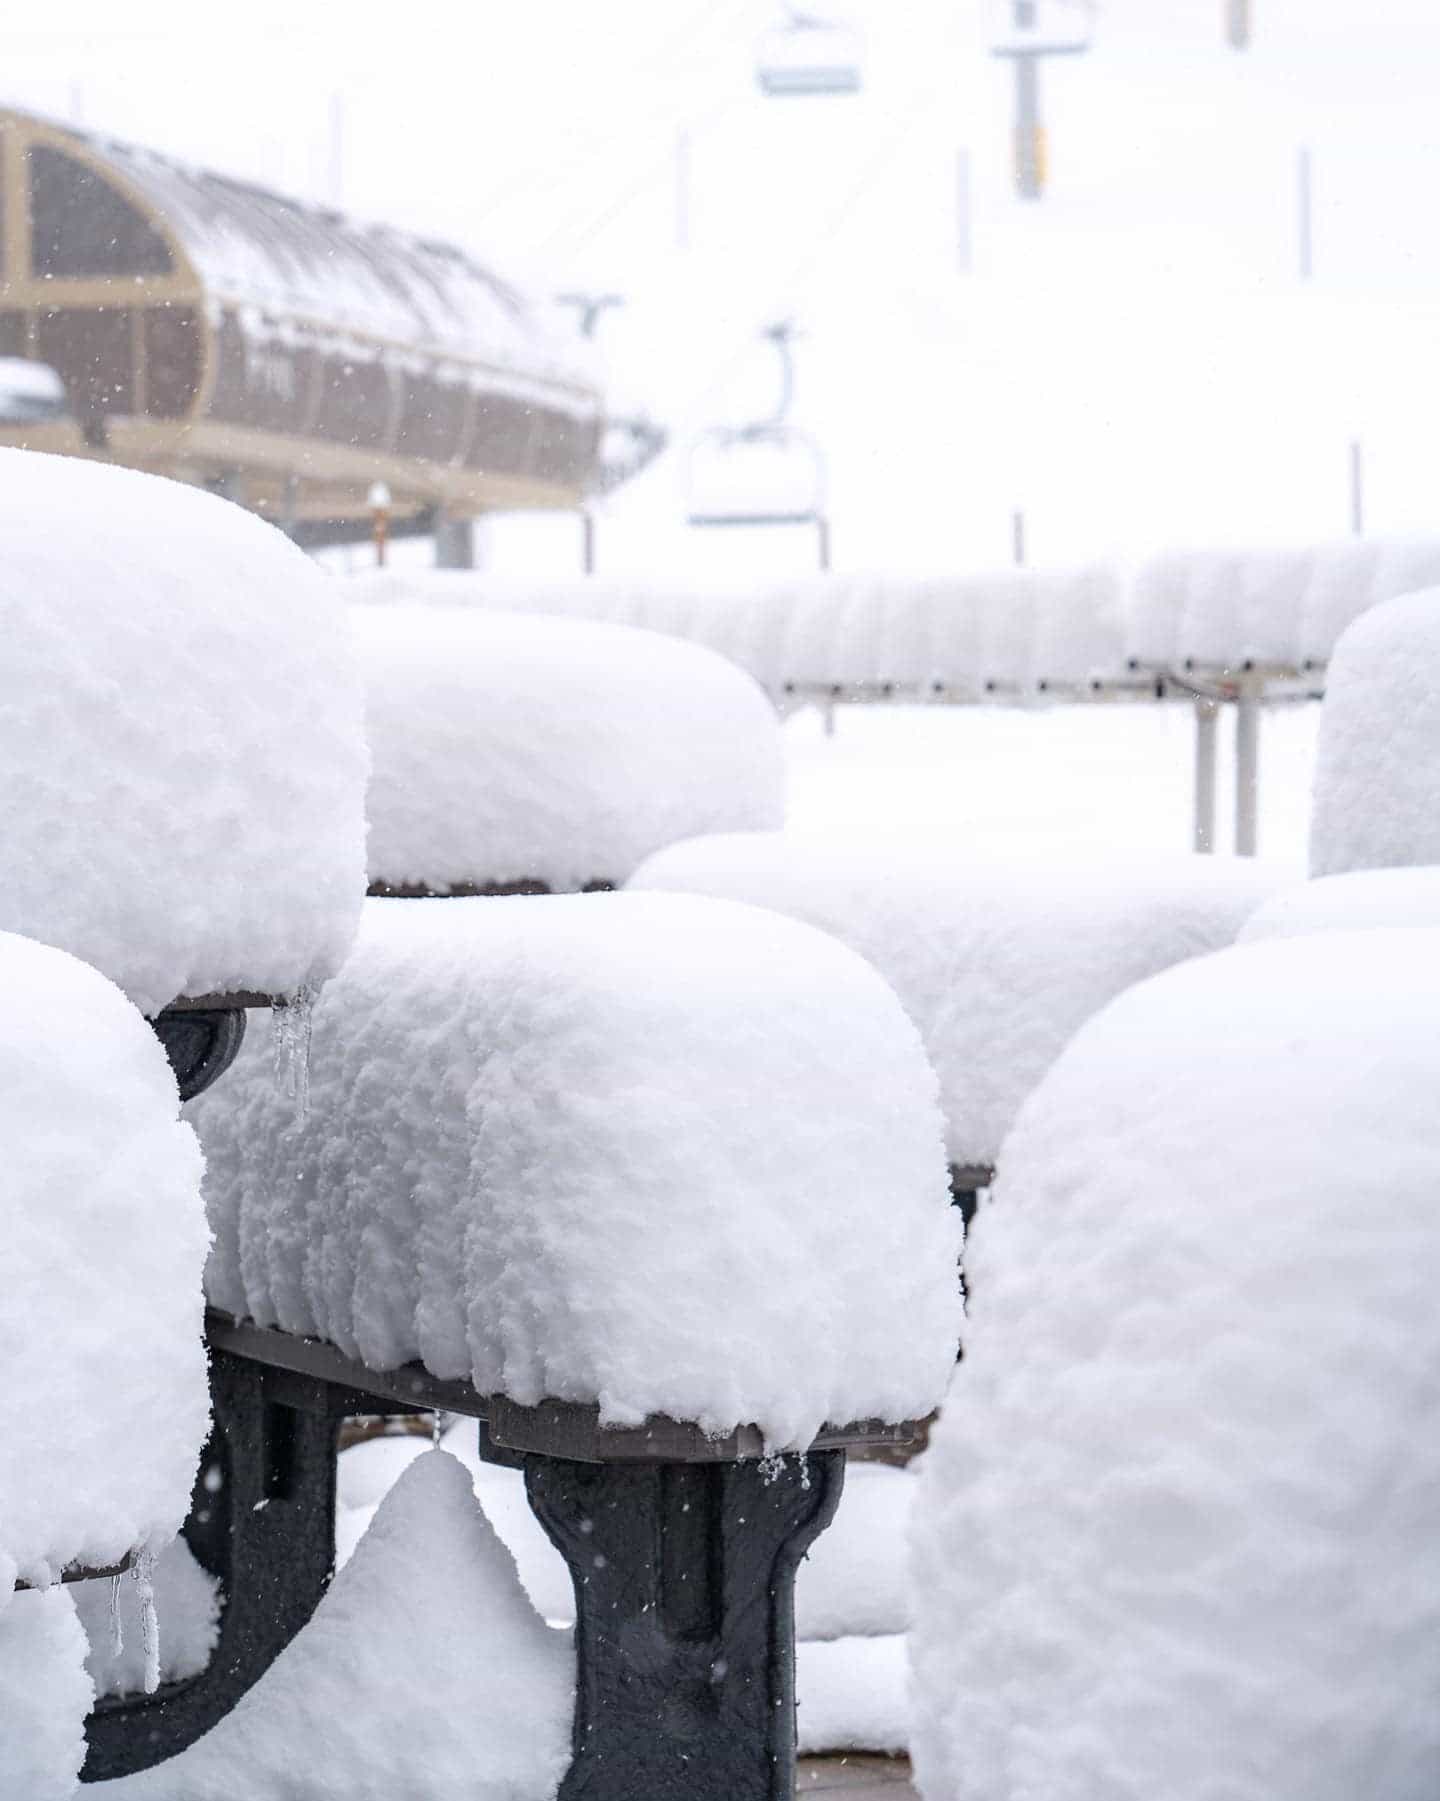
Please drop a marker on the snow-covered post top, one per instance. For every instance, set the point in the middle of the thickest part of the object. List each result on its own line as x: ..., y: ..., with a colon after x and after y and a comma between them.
x: 103, y: 1397
x: 181, y: 759
x: 1377, y: 782
x: 513, y: 749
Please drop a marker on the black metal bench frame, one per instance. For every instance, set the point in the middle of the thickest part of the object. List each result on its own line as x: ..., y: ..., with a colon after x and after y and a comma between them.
x: 682, y: 1548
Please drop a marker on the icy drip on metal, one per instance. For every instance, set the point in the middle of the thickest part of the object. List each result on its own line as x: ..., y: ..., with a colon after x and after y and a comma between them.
x: 117, y: 1626
x: 292, y: 1027
x: 143, y: 1572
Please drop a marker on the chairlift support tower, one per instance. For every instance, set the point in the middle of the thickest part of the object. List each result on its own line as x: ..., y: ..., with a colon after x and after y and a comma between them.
x: 1039, y: 28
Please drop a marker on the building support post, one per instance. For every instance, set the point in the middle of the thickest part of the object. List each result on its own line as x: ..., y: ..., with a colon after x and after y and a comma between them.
x: 1207, y: 741
x: 454, y: 542
x: 1247, y: 767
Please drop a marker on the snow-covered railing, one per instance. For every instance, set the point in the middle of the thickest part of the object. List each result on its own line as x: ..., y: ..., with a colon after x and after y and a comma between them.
x: 1248, y: 628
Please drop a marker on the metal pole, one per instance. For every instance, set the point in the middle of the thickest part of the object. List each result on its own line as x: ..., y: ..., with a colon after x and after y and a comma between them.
x: 1247, y: 766
x: 1029, y: 158
x: 1207, y: 744
x: 587, y: 541
x: 682, y: 190
x: 1017, y: 538
x: 822, y: 541
x: 1357, y: 487
x: 964, y: 229
x: 1237, y: 23
x: 1305, y: 197
x: 337, y: 150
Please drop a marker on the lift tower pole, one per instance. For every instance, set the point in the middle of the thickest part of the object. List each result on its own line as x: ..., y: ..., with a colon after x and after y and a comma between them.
x: 1026, y: 46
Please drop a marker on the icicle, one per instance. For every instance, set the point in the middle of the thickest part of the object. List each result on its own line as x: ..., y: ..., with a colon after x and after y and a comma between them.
x: 435, y: 1424
x: 143, y: 1570
x: 292, y: 1025
x: 772, y: 1467
x: 117, y: 1625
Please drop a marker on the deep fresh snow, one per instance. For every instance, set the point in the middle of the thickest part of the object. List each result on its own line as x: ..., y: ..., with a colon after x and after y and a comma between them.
x: 507, y: 749
x: 998, y: 958
x: 1364, y: 897
x: 180, y: 745
x: 1175, y: 1530
x: 103, y: 1397
x: 533, y: 1122
x: 424, y: 1671
x: 1379, y: 758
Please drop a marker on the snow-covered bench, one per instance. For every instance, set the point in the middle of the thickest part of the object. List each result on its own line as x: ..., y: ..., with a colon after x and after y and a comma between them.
x: 997, y: 961
x: 654, y: 1187
x: 513, y: 754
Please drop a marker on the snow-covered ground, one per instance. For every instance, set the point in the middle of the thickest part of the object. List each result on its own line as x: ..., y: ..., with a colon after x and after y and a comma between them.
x: 1112, y: 778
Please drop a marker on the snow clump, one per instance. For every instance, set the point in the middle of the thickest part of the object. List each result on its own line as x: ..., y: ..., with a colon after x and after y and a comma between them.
x: 104, y: 1403
x: 509, y: 749
x: 180, y: 736
x: 1365, y: 897
x: 1175, y: 1533
x: 662, y: 1153
x: 1378, y: 773
x: 423, y: 1670
x: 998, y: 959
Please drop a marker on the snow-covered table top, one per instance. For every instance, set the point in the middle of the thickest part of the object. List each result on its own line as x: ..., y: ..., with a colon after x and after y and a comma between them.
x: 1176, y: 1529
x: 997, y: 959
x: 103, y: 1397
x: 180, y: 736
x: 1378, y: 773
x: 510, y: 749
x: 662, y: 1154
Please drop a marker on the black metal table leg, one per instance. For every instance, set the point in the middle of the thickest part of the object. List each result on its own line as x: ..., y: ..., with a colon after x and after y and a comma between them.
x: 263, y: 1521
x: 685, y: 1636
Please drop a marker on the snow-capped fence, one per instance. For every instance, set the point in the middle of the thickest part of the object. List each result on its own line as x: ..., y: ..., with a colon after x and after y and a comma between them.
x: 1243, y: 629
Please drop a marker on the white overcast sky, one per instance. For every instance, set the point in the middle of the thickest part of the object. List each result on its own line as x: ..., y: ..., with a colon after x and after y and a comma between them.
x: 1135, y: 357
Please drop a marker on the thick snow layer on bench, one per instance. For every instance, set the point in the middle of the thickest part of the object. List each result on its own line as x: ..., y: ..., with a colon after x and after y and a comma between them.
x: 44, y: 1697
x: 180, y: 748
x: 1176, y: 1529
x: 423, y: 1671
x: 1365, y: 897
x: 103, y: 1397
x: 1378, y: 773
x: 667, y: 1154
x: 997, y: 961
x: 508, y: 748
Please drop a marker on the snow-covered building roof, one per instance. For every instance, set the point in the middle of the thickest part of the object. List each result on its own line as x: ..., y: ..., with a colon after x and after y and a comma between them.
x: 212, y: 328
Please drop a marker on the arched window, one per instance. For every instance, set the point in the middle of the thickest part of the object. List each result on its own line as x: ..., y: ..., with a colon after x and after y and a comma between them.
x: 80, y: 226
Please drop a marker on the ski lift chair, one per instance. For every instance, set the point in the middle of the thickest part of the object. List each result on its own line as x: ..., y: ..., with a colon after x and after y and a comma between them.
x: 766, y: 473
x: 808, y: 55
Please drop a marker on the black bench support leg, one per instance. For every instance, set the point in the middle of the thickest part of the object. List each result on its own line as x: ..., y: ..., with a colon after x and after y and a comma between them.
x: 685, y: 1632
x: 262, y: 1520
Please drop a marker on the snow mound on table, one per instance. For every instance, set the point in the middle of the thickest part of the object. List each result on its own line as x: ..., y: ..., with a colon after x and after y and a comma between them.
x: 180, y: 747
x: 1175, y: 1533
x: 423, y: 1670
x: 509, y: 749
x: 997, y: 961
x: 1365, y: 897
x: 104, y: 1403
x: 44, y: 1696
x: 661, y: 1153
x: 1378, y: 773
